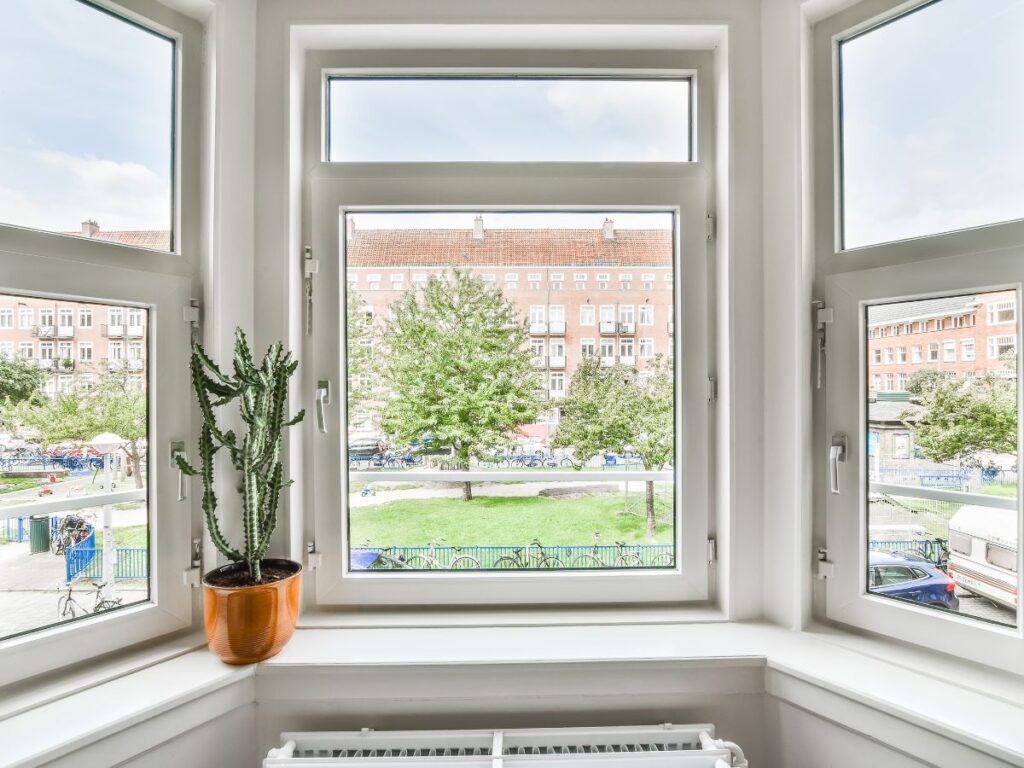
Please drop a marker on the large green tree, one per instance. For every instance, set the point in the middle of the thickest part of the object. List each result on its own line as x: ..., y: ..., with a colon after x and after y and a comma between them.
x: 113, y: 405
x: 457, y: 368
x: 615, y: 409
x: 963, y: 418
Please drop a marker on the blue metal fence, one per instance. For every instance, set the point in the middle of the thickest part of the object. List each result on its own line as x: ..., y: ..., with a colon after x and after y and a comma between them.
x: 85, y: 561
x: 931, y: 549
x: 570, y: 556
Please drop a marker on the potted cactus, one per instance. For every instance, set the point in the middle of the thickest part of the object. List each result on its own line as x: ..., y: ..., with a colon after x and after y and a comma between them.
x: 251, y: 604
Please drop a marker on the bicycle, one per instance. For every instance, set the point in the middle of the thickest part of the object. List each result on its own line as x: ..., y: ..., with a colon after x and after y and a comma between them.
x: 430, y: 561
x: 67, y: 605
x: 627, y: 559
x: 590, y: 559
x: 70, y: 531
x: 536, y: 558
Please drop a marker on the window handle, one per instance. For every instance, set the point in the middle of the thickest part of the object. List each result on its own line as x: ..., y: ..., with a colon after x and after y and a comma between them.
x: 836, y: 454
x: 323, y: 397
x: 178, y: 449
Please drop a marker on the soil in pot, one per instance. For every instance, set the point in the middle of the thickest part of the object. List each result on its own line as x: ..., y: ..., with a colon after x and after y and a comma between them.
x: 237, y: 574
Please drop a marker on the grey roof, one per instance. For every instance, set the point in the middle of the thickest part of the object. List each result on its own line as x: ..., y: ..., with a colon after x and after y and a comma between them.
x: 879, y: 314
x: 882, y: 410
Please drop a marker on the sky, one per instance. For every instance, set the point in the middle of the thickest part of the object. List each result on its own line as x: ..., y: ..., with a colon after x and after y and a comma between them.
x: 85, y: 119
x: 933, y: 122
x: 509, y: 120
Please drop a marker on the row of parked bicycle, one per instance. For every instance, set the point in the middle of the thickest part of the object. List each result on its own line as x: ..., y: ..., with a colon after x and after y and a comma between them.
x: 63, y: 458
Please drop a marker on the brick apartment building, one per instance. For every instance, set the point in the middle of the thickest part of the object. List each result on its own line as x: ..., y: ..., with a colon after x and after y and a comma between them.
x: 598, y: 292
x: 74, y: 342
x: 963, y: 335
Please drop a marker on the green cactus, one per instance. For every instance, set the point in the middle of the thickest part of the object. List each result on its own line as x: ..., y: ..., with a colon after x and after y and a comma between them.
x: 261, y: 393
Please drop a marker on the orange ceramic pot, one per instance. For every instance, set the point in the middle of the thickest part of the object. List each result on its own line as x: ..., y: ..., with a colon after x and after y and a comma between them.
x: 251, y: 623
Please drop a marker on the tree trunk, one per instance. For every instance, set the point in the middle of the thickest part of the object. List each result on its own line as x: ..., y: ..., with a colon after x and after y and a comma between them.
x: 136, y: 460
x: 650, y: 510
x: 467, y: 491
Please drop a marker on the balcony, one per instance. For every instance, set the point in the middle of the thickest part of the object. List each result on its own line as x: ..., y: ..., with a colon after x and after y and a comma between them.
x: 627, y: 329
x: 627, y: 359
x: 556, y: 328
x: 606, y: 327
x: 47, y: 363
x: 136, y: 365
x: 135, y: 331
x: 66, y: 364
x: 65, y: 331
x: 671, y: 327
x: 556, y: 361
x: 557, y: 394
x: 538, y: 329
x: 537, y: 361
x: 540, y: 394
x: 115, y: 365
x: 113, y: 331
x: 45, y: 331
x: 607, y: 361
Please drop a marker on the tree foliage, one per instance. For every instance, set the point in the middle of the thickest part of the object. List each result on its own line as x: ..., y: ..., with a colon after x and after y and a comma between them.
x: 112, y: 405
x: 361, y: 339
x: 456, y: 368
x: 18, y: 380
x: 615, y: 409
x: 963, y: 418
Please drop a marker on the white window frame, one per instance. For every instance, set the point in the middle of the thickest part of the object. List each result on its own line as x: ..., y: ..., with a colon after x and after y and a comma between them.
x: 968, y: 350
x: 949, y: 351
x: 26, y: 316
x: 84, y: 317
x: 645, y: 315
x: 964, y: 262
x: 339, y: 187
x: 68, y: 268
x: 591, y: 311
x: 645, y: 348
x: 7, y: 318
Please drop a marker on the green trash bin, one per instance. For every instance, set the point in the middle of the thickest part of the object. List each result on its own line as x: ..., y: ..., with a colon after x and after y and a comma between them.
x: 39, y: 534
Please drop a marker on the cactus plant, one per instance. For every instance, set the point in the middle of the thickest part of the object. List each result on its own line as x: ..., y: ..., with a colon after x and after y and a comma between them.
x: 256, y: 456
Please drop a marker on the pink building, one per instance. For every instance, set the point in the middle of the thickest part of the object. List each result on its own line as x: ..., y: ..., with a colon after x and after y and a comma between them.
x: 601, y: 292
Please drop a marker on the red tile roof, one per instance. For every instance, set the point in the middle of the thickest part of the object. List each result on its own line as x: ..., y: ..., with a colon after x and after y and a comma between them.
x: 155, y: 239
x: 508, y: 247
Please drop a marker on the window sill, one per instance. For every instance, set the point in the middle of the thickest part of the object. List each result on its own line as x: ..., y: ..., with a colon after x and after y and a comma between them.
x: 895, y: 694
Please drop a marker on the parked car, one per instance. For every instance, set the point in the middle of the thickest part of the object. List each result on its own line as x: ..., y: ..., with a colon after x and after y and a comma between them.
x: 907, y: 576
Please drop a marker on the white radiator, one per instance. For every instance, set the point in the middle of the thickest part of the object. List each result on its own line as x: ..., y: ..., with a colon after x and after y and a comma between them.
x: 655, y: 746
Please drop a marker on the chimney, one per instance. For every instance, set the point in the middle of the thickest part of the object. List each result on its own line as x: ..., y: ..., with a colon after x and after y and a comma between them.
x: 478, y: 228
x: 90, y: 227
x: 350, y: 227
x: 609, y: 229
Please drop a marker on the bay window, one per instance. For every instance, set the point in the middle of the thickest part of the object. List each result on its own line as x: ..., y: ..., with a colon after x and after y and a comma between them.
x: 478, y: 475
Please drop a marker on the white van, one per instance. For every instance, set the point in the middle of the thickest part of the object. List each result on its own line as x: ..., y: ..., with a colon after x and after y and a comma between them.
x: 983, y: 552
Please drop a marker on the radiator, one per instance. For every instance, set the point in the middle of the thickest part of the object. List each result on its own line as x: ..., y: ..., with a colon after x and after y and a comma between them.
x: 656, y: 746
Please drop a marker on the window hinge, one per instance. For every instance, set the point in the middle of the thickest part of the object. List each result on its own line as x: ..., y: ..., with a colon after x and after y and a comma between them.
x: 823, y: 317
x: 826, y: 568
x: 190, y: 314
x: 712, y: 551
x: 192, y: 575
x: 310, y: 267
x: 712, y: 389
x: 710, y: 227
x: 314, y: 559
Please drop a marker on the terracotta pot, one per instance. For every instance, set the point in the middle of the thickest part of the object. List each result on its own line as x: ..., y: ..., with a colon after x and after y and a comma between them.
x: 251, y: 623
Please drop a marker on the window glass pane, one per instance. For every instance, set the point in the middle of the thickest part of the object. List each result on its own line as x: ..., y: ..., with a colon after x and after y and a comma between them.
x: 484, y: 433
x: 73, y: 431
x: 508, y: 119
x: 87, y: 124
x: 942, y: 459
x: 931, y: 122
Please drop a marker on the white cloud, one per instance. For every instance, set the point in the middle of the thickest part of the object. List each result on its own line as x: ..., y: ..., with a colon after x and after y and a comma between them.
x: 57, y: 191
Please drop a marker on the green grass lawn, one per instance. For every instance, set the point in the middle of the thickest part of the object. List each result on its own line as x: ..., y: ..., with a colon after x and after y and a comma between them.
x: 1000, y: 489
x: 11, y: 484
x: 504, y: 520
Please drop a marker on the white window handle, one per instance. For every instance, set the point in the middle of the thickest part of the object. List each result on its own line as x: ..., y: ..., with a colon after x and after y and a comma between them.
x: 323, y: 397
x: 836, y: 454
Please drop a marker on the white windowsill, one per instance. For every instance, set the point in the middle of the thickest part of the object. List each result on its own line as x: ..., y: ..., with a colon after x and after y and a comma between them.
x: 857, y: 681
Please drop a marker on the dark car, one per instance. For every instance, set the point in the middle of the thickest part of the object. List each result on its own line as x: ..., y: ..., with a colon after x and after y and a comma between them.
x: 907, y: 576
